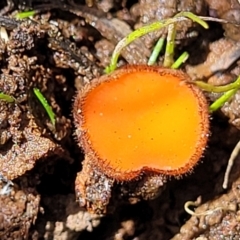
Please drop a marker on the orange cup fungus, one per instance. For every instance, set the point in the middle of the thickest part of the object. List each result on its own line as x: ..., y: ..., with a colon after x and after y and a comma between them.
x: 142, y: 119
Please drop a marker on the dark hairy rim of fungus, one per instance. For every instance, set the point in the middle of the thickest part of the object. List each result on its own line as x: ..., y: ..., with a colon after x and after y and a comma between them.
x: 142, y: 119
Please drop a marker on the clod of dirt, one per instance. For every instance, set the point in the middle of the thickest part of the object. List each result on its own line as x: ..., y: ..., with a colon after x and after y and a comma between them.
x: 230, y: 11
x: 35, y: 55
x: 18, y: 212
x: 222, y: 55
x: 104, y: 49
x: 219, y: 217
x: 114, y: 30
x: 93, y: 189
x: 63, y: 219
x: 151, y: 11
x: 232, y: 110
x: 26, y: 131
x: 22, y: 157
x: 111, y: 28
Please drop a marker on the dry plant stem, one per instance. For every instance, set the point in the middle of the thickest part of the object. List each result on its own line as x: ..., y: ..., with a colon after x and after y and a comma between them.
x: 7, y: 188
x: 189, y: 204
x: 3, y: 34
x: 233, y: 156
x: 212, y: 19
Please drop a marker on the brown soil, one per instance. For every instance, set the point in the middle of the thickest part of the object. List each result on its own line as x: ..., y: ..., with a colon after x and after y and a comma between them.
x: 63, y: 47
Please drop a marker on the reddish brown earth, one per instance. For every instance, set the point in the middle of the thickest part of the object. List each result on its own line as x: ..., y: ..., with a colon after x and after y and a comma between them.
x: 66, y: 45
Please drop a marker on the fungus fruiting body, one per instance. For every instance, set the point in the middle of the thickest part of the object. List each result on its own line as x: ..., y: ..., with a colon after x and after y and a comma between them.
x: 142, y: 119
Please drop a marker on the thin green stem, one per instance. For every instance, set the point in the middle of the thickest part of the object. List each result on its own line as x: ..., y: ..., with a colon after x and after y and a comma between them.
x: 156, y: 51
x: 169, y: 52
x: 134, y: 35
x: 218, y: 89
x: 45, y: 104
x: 22, y: 15
x: 220, y: 101
x: 181, y: 59
x: 194, y: 18
x: 6, y: 98
x: 147, y: 29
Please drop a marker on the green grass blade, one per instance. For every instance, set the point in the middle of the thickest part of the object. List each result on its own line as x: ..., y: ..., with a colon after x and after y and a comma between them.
x: 136, y: 34
x: 169, y: 52
x: 147, y: 29
x: 220, y: 101
x: 156, y: 51
x: 45, y: 104
x: 194, y: 18
x: 218, y: 89
x: 182, y: 59
x: 22, y: 15
x: 6, y: 98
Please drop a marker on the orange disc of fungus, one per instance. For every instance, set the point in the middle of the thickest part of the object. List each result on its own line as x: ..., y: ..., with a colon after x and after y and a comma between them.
x: 142, y: 119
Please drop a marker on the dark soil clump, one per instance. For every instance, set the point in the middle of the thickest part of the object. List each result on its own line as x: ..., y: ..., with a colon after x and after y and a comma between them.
x: 59, y: 50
